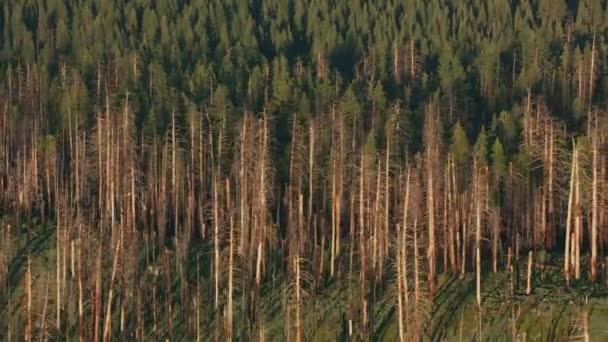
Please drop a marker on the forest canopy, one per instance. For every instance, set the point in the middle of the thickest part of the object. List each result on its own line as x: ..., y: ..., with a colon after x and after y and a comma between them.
x: 302, y: 56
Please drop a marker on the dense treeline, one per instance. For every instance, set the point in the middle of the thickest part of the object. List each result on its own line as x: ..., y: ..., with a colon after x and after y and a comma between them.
x: 190, y: 156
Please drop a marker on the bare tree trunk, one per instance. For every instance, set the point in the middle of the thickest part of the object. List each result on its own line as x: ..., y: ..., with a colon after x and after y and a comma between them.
x: 478, y: 239
x: 154, y: 309
x: 337, y: 185
x: 551, y: 181
x: 9, y: 327
x: 229, y: 314
x: 353, y: 237
x: 167, y: 288
x: 578, y: 222
x: 334, y: 204
x: 97, y: 301
x: 592, y: 72
x: 431, y: 228
x: 243, y: 188
x: 387, y: 198
x: 340, y: 182
x: 28, y: 290
x: 58, y: 277
x: 311, y: 171
x: 44, y: 308
x: 402, y: 281
x: 375, y: 224
x: 452, y: 214
x: 412, y: 60
x: 396, y: 71
x: 567, y: 252
x: 362, y: 242
x: 202, y: 176
x: 106, y: 331
x: 298, y: 271
x: 81, y: 324
x: 174, y: 188
x: 529, y: 275
x: 416, y: 332
x: 431, y: 144
x: 400, y: 290
x: 262, y: 202
x: 594, y: 205
x: 216, y: 241
x: 495, y: 237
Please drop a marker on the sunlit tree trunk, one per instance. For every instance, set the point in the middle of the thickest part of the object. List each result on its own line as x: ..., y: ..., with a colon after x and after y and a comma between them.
x: 478, y: 200
x: 567, y: 251
x: 97, y: 299
x: 216, y: 240
x: 431, y: 148
x: 417, y: 288
x: 229, y: 314
x: 81, y: 323
x: 401, y: 309
x: 261, y: 230
x: 594, y: 203
x: 402, y: 261
x: 592, y: 71
x: 108, y: 319
x: 529, y: 274
x: 578, y: 222
x: 336, y: 184
x: 362, y: 242
x: 28, y: 291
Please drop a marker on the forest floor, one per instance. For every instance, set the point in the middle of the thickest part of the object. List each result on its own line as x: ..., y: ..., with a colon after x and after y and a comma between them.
x: 553, y: 311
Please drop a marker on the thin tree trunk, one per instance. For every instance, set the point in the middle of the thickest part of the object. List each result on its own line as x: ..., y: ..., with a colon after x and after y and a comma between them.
x: 417, y: 289
x: 262, y: 203
x: 42, y: 332
x: 594, y: 206
x: 495, y: 237
x: 478, y: 240
x: 81, y: 324
x: 334, y: 210
x: 174, y: 188
x: 567, y: 251
x: 298, y: 271
x: 229, y: 313
x: 431, y: 143
x: 550, y: 194
x: 578, y: 222
x: 243, y: 189
x: 529, y: 275
x: 107, y: 326
x: 375, y: 224
x: 592, y: 72
x: 97, y: 301
x: 387, y: 198
x: 311, y: 171
x: 58, y: 277
x: 216, y: 242
x: 28, y: 290
x: 362, y: 241
x: 400, y: 290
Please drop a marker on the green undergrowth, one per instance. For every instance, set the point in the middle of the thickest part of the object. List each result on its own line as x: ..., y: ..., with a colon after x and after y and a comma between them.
x: 552, y: 311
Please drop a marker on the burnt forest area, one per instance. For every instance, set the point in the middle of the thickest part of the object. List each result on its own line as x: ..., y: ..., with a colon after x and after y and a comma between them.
x: 303, y: 170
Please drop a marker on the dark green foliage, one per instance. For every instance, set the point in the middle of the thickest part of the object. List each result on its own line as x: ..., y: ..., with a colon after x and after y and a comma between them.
x: 480, y: 149
x: 499, y: 162
x: 481, y: 55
